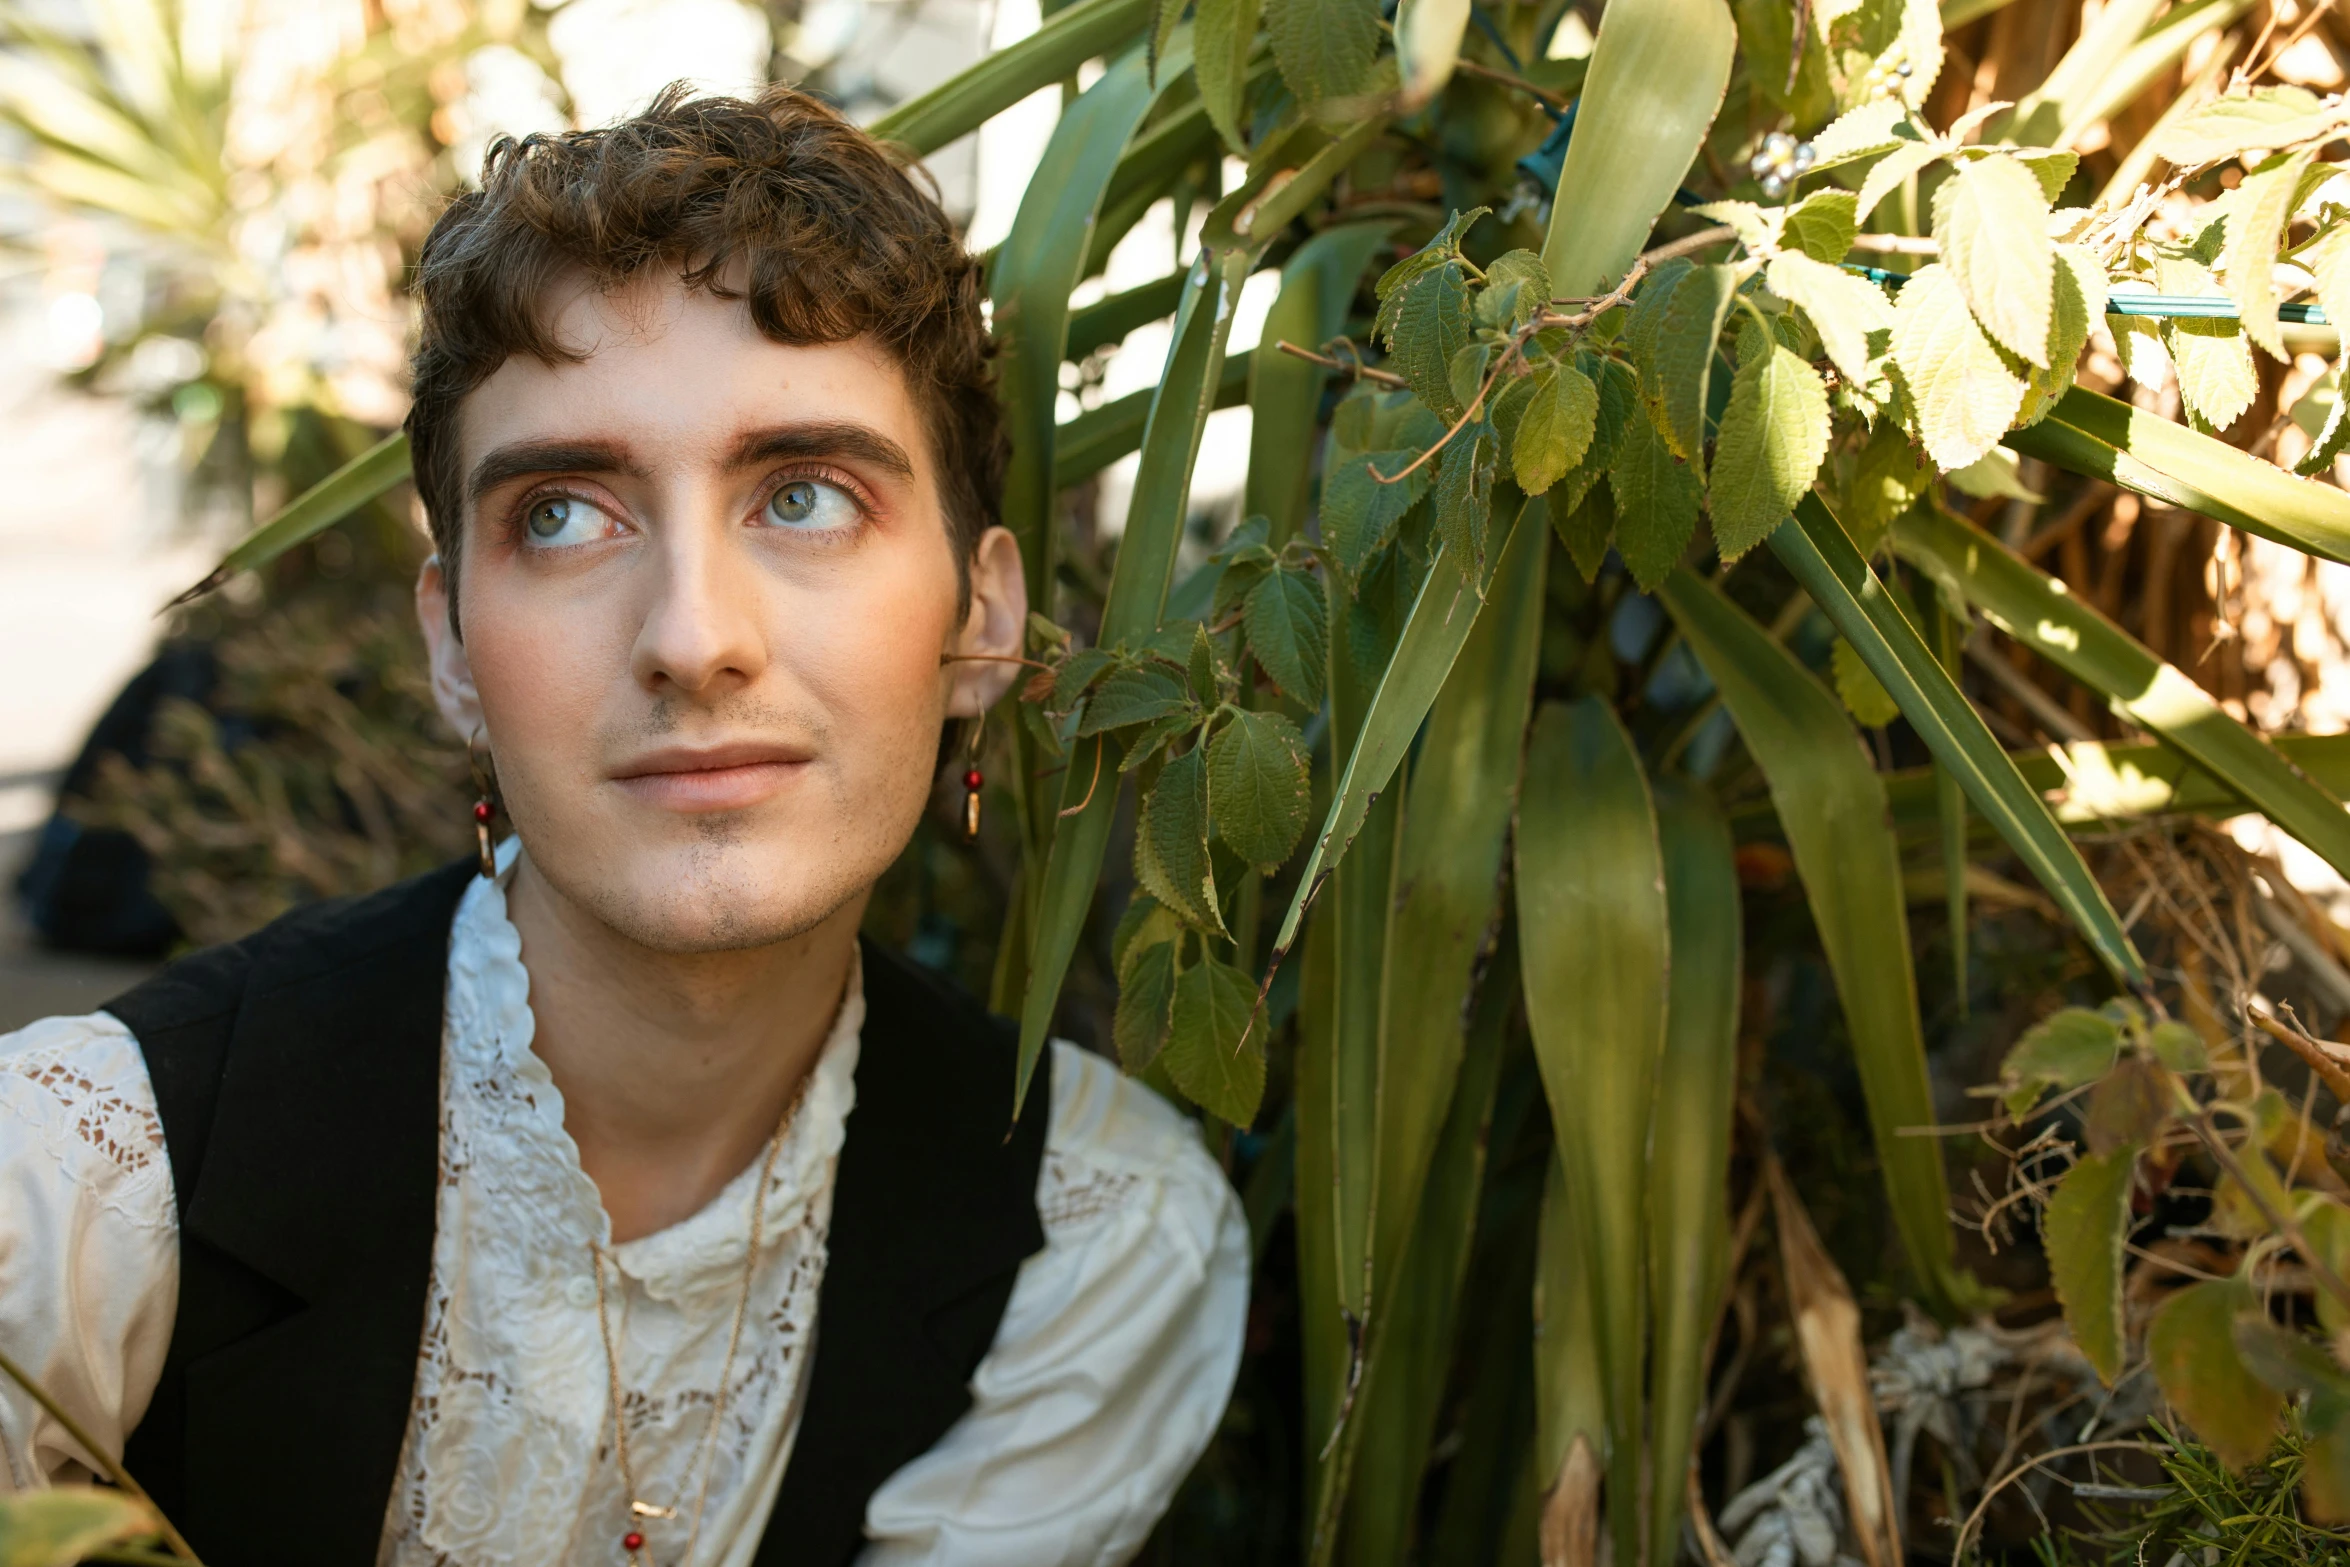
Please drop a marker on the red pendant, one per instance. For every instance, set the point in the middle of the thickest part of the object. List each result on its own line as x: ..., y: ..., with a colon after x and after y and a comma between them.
x: 632, y: 1541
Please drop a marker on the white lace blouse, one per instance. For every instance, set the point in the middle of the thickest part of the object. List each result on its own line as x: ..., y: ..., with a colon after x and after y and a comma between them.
x: 1106, y: 1379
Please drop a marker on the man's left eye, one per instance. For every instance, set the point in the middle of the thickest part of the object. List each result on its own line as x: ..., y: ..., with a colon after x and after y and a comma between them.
x: 809, y: 505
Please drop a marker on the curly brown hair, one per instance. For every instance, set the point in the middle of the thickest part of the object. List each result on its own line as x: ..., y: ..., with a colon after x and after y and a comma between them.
x: 782, y: 203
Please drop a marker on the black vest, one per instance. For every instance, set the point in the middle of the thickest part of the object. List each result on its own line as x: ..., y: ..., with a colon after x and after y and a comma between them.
x: 298, y: 1072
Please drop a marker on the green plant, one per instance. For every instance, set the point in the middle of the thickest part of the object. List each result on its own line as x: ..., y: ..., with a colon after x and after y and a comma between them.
x: 1437, y: 764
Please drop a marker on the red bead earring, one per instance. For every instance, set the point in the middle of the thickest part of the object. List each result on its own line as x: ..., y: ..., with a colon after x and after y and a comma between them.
x: 485, y: 808
x: 973, y: 781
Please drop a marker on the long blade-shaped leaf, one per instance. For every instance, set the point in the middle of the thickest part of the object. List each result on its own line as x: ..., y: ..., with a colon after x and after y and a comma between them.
x: 1284, y: 391
x: 1950, y: 806
x: 1036, y: 267
x: 1403, y: 1386
x: 1138, y: 590
x: 1592, y: 928
x: 1434, y: 633
x: 1092, y: 441
x: 1813, y: 545
x: 2096, y: 435
x: 1436, y: 912
x: 1658, y: 70
x: 1052, y: 53
x: 1689, y: 1154
x: 372, y: 473
x: 1831, y: 804
x: 2047, y: 617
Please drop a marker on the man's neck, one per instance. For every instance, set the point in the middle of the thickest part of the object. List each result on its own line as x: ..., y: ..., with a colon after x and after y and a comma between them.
x: 674, y: 1068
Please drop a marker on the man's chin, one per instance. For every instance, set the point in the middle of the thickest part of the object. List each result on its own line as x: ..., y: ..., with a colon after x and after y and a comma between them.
x: 690, y: 905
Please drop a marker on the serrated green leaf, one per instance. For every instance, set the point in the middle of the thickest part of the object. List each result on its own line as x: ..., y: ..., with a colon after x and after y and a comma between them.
x: 1466, y: 374
x: 1171, y: 843
x: 2191, y: 1344
x: 2086, y: 1223
x: 2212, y: 359
x: 1557, y: 417
x: 2211, y: 356
x: 1145, y: 923
x: 2052, y: 167
x: 1823, y: 224
x: 2065, y: 1049
x: 2256, y: 224
x: 2080, y: 300
x: 1645, y: 322
x: 1288, y: 626
x: 1222, y: 34
x: 1443, y: 246
x: 1359, y: 513
x: 1143, y: 746
x: 1207, y: 670
x: 1774, y: 433
x: 1212, y: 1051
x: 1995, y: 474
x: 1324, y: 47
x: 1890, y: 172
x: 1849, y: 312
x: 1991, y: 222
x: 1077, y: 675
x: 1863, y: 131
x: 1757, y: 227
x: 2331, y: 432
x: 1588, y: 529
x: 2263, y: 117
x: 2144, y: 358
x: 1685, y: 343
x: 1463, y: 497
x: 1887, y: 474
x: 1431, y: 326
x: 1132, y: 696
x: 1965, y: 394
x: 2178, y: 1047
x: 1146, y: 1003
x: 1656, y: 502
x: 1525, y: 268
x: 1257, y: 775
x: 2328, y: 261
x: 1863, y: 695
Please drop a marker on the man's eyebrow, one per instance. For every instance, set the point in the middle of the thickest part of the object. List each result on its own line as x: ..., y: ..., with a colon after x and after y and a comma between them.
x: 822, y: 440
x: 522, y: 459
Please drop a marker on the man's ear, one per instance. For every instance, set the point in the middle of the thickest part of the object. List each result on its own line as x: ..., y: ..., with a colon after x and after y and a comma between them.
x: 993, y: 627
x: 452, y: 674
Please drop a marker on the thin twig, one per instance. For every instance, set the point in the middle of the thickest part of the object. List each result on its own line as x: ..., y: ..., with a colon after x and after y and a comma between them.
x: 1649, y: 260
x: 114, y: 1469
x: 2309, y: 1050
x: 1353, y: 367
x: 1966, y: 1531
x: 1101, y: 743
x: 1488, y: 73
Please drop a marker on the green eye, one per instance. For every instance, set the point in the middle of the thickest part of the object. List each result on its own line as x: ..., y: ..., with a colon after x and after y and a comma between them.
x: 808, y: 505
x: 548, y: 518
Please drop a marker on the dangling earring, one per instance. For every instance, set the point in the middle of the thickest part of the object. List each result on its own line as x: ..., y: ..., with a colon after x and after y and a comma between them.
x: 485, y: 785
x: 973, y: 780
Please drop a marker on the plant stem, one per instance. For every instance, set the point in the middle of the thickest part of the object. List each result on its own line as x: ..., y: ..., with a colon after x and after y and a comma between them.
x: 114, y: 1469
x: 1353, y: 367
x: 1544, y: 95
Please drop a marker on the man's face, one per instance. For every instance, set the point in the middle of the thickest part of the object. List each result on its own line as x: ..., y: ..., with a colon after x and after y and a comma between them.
x: 705, y: 590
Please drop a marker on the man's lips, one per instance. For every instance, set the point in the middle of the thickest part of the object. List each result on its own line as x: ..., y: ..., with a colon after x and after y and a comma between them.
x: 710, y: 778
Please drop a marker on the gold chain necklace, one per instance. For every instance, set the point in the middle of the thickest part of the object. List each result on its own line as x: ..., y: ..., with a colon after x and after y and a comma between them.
x: 641, y: 1511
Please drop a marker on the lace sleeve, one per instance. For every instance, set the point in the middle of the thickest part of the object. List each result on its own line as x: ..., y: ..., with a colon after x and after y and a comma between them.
x: 89, y: 1244
x: 1114, y: 1359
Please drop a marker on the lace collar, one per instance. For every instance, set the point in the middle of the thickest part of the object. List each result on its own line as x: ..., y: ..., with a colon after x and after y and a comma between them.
x: 502, y: 1104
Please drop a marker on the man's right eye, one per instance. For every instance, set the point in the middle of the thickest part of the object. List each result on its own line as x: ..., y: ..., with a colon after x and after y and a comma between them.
x: 555, y: 520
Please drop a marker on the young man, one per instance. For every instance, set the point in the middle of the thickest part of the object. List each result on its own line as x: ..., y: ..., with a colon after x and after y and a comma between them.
x: 609, y: 1203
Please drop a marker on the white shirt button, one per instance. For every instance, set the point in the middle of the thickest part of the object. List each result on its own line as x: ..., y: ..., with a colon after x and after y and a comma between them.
x: 581, y: 1291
